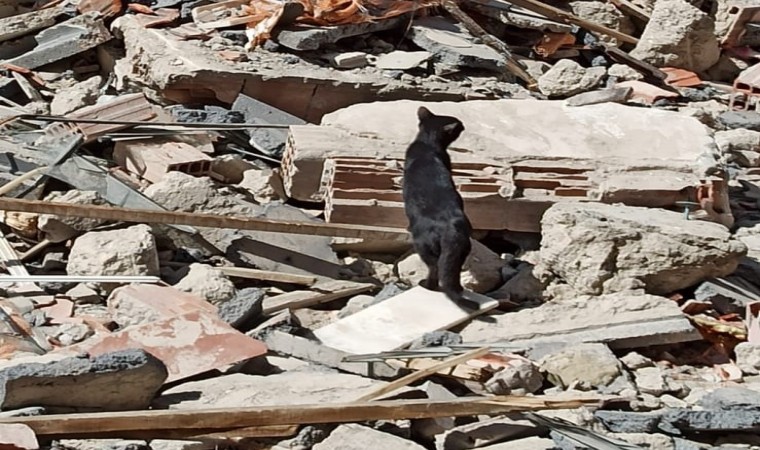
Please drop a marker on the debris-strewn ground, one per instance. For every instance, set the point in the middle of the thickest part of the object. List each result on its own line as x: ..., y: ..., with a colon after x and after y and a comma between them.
x: 204, y: 246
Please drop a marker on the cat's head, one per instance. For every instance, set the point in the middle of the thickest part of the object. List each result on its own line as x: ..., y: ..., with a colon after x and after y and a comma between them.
x: 446, y: 128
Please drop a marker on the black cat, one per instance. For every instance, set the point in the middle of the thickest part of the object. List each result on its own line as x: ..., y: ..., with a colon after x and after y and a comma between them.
x: 440, y: 229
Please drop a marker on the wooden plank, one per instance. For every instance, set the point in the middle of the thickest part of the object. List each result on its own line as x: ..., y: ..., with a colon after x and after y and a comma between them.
x: 201, y: 220
x: 321, y: 293
x: 268, y: 275
x: 566, y: 17
x: 420, y: 374
x: 396, y: 322
x: 628, y: 7
x: 267, y: 416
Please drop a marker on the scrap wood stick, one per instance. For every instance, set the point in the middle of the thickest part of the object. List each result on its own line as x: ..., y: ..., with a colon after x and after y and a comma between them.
x: 513, y: 65
x: 414, y: 376
x: 268, y: 275
x: 565, y: 17
x: 118, y: 423
x: 202, y: 220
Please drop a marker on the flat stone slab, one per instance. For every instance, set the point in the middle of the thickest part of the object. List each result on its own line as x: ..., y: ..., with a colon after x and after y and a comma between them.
x: 540, y: 128
x: 621, y: 320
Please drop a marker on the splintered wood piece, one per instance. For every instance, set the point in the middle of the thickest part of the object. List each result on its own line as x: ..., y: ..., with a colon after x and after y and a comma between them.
x: 400, y: 320
x: 420, y: 374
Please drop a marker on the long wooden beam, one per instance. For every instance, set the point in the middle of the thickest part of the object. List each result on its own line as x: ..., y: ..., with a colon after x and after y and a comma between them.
x: 201, y: 220
x: 129, y: 422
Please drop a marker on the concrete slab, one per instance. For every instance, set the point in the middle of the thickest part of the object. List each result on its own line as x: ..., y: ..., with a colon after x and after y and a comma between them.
x: 533, y: 128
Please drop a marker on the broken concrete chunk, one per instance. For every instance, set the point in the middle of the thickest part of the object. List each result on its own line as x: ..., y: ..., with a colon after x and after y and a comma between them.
x: 628, y: 422
x: 138, y: 304
x: 507, y: 129
x: 598, y: 248
x: 60, y: 228
x: 349, y: 60
x: 678, y: 35
x: 271, y: 141
x: 678, y: 421
x: 741, y: 119
x: 603, y: 13
x: 614, y: 95
x: 519, y: 376
x: 130, y: 251
x: 401, y: 60
x: 623, y: 320
x: 738, y: 140
x: 77, y: 96
x: 748, y: 357
x: 208, y: 283
x: 623, y: 72
x: 231, y: 168
x: 264, y: 184
x: 123, y: 380
x: 567, y: 77
x: 297, y: 387
x: 102, y: 444
x: 484, y: 432
x: 583, y: 366
x: 312, y: 38
x: 651, y: 380
x: 22, y: 24
x: 63, y: 40
x: 358, y: 437
x: 244, y: 308
x: 452, y: 45
x: 731, y: 399
x: 16, y: 436
x: 529, y: 443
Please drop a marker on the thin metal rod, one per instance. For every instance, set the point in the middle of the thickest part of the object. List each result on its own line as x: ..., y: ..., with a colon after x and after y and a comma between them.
x: 226, y: 126
x: 79, y: 279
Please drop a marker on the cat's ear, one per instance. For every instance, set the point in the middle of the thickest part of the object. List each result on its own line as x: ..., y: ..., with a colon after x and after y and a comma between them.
x: 453, y: 129
x: 424, y: 113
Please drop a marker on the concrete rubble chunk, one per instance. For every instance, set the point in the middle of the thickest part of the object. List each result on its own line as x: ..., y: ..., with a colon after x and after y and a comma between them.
x: 749, y: 120
x: 567, y: 77
x: 623, y: 320
x: 678, y: 35
x: 264, y: 184
x: 628, y: 422
x: 312, y: 38
x: 651, y: 380
x: 507, y: 129
x: 82, y: 94
x: 452, y: 45
x: 519, y: 377
x: 529, y: 443
x: 359, y: 437
x: 294, y: 387
x: 614, y: 95
x: 139, y: 304
x: 748, y: 357
x: 401, y: 60
x: 208, y: 283
x: 102, y: 444
x: 245, y: 307
x: 60, y: 228
x: 679, y: 421
x: 598, y: 248
x: 603, y: 14
x: 16, y: 436
x: 22, y: 24
x: 123, y: 380
x: 271, y: 141
x: 63, y: 40
x: 485, y: 432
x: 130, y: 251
x: 738, y: 140
x: 623, y: 72
x: 583, y: 366
x: 731, y: 399
x: 231, y: 168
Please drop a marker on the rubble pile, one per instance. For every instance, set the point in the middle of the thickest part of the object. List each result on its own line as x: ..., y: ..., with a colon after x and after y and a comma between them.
x: 203, y: 242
